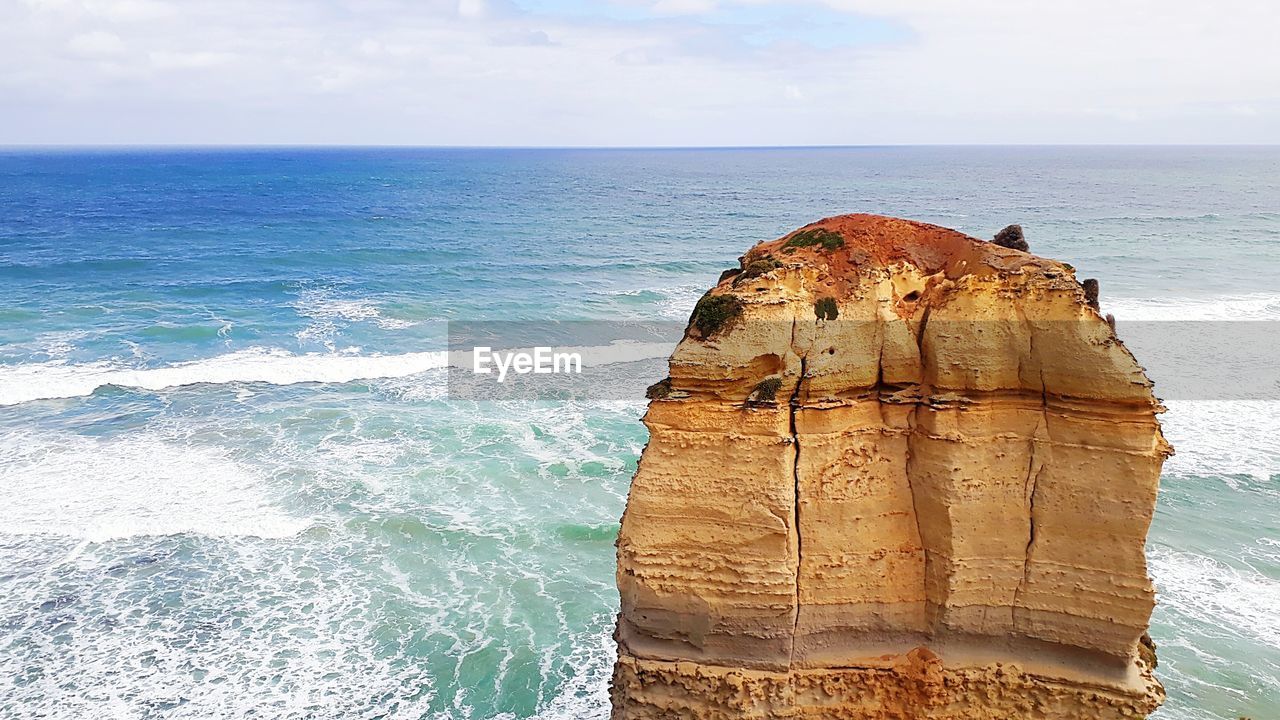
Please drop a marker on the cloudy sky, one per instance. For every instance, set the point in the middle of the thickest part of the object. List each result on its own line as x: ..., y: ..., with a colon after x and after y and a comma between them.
x: 639, y: 72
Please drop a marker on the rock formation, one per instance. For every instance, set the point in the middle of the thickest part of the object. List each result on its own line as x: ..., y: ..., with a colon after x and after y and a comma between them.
x: 896, y: 472
x: 1011, y: 237
x: 1092, y: 292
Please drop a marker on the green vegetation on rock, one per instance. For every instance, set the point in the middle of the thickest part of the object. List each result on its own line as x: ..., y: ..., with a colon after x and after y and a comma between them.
x: 714, y: 312
x: 826, y: 309
x: 756, y: 268
x: 765, y: 391
x: 828, y: 239
x: 659, y: 390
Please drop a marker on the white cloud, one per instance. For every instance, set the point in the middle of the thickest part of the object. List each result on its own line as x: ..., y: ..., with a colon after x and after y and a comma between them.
x: 470, y: 72
x: 96, y: 44
x: 1154, y: 55
x: 131, y: 10
x: 531, y: 38
x: 167, y: 60
x: 471, y: 8
x: 683, y: 7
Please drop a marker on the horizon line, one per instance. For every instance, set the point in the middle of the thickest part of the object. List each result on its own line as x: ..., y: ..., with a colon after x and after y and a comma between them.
x: 375, y: 146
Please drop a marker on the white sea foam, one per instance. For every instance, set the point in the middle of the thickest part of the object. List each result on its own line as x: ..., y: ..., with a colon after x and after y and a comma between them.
x: 679, y: 301
x: 1212, y: 592
x: 98, y: 489
x: 61, y: 344
x: 324, y: 303
x: 1218, y: 438
x: 326, y: 308
x: 43, y: 381
x: 264, y: 635
x: 387, y: 323
x: 1252, y: 306
x: 585, y: 696
x: 51, y: 380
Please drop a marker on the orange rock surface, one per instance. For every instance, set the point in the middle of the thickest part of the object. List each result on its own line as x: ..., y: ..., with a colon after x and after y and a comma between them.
x: 899, y: 473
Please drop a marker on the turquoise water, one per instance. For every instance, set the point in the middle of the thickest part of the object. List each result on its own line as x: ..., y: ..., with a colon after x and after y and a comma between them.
x: 232, y: 482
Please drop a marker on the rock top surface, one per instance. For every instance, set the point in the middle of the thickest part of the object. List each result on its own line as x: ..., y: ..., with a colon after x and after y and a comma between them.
x: 896, y: 472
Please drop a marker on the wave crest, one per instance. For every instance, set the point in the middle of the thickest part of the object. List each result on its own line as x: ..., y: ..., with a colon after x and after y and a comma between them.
x: 273, y: 366
x: 52, y: 380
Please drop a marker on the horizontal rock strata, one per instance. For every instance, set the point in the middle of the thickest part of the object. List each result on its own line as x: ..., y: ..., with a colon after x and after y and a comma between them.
x: 896, y: 472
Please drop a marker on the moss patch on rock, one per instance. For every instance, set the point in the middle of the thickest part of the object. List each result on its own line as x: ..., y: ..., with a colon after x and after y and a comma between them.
x: 765, y: 391
x: 827, y: 239
x: 826, y: 309
x: 714, y: 312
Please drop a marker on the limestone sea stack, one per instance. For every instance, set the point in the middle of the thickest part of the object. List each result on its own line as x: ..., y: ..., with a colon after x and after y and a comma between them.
x: 896, y: 472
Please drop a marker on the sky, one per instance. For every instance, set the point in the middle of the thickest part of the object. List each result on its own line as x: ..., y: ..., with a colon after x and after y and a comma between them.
x: 638, y: 72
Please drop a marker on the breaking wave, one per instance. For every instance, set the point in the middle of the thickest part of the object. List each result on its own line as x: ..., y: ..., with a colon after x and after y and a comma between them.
x: 1251, y: 306
x: 52, y: 380
x: 273, y: 366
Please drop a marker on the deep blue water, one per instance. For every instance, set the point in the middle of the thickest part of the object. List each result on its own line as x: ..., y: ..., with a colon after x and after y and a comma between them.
x: 230, y: 478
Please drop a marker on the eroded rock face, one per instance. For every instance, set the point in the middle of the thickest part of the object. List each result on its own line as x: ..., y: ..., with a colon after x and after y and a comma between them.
x: 939, y: 510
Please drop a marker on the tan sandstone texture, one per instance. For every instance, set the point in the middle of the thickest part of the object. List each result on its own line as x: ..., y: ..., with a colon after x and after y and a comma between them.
x: 896, y: 472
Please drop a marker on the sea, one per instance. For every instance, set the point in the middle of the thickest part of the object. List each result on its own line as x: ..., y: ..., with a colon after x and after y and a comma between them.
x: 234, y: 482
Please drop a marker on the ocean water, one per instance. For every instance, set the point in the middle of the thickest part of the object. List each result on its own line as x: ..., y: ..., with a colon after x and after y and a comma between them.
x: 233, y: 482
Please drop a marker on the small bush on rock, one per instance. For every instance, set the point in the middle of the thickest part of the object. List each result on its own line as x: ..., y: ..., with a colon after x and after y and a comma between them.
x: 756, y: 268
x: 1012, y: 237
x: 765, y: 391
x: 659, y: 390
x: 714, y: 312
x: 826, y: 309
x: 1091, y: 292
